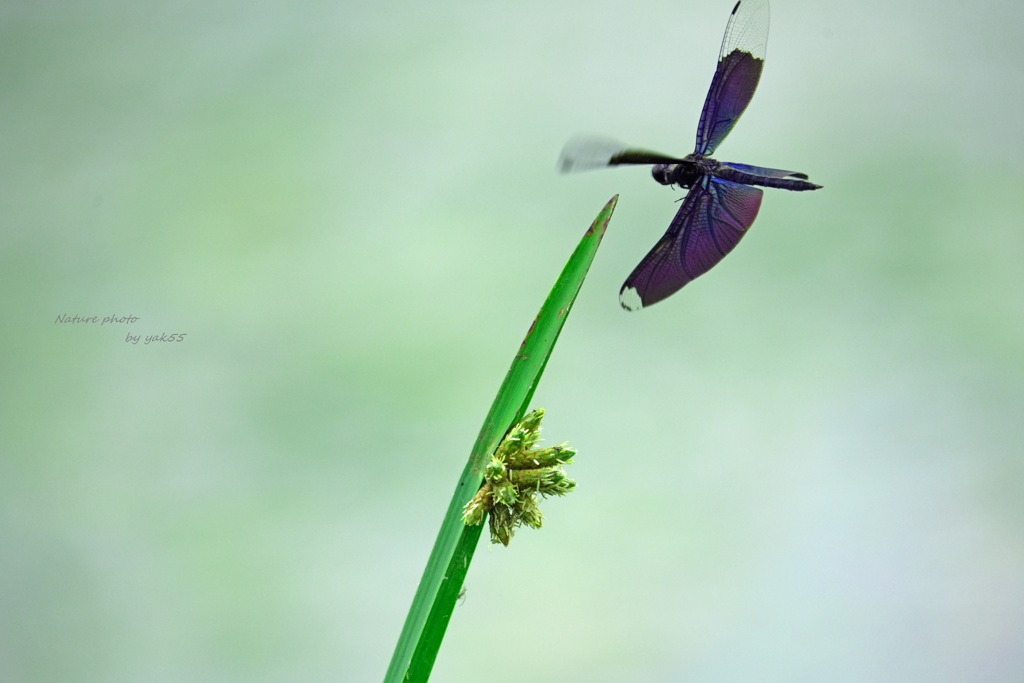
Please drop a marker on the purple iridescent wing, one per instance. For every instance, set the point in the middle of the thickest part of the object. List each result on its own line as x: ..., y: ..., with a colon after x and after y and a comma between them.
x: 739, y: 68
x: 711, y: 220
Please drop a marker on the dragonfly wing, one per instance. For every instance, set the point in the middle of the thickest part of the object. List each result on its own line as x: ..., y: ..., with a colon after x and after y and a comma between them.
x: 586, y: 153
x: 711, y: 220
x: 740, y: 62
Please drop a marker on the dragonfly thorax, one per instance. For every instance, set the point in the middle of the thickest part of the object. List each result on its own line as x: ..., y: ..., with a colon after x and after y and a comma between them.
x: 685, y: 173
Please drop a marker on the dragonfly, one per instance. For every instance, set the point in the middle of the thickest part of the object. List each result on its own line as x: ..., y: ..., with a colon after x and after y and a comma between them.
x: 721, y: 203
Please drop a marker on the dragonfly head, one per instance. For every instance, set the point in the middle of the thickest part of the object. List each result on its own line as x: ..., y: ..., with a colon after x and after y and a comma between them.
x: 663, y: 173
x: 683, y: 174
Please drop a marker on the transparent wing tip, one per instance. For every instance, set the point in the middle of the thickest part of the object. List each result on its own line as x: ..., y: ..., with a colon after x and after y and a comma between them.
x: 629, y: 298
x: 587, y: 153
x: 565, y: 163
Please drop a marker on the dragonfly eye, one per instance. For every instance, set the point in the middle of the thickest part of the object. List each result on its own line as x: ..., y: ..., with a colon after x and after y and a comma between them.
x: 662, y: 173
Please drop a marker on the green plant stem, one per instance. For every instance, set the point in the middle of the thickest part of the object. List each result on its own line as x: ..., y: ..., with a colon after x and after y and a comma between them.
x: 449, y: 560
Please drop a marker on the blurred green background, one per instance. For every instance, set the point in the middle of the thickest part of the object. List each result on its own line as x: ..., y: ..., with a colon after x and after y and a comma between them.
x: 807, y: 465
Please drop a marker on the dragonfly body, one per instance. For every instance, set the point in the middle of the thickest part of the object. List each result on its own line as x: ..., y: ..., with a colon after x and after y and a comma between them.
x: 723, y: 199
x: 693, y: 166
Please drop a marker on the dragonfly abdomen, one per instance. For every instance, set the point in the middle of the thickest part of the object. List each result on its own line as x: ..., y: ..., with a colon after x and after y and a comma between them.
x: 765, y: 177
